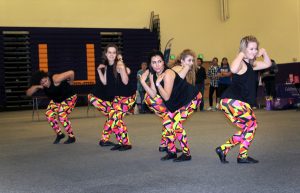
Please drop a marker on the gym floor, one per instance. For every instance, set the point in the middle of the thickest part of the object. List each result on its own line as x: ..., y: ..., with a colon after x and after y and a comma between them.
x: 29, y: 162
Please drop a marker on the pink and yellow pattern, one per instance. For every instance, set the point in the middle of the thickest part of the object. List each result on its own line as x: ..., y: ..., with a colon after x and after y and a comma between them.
x: 61, y: 110
x: 241, y: 115
x: 115, y: 112
x: 173, y: 121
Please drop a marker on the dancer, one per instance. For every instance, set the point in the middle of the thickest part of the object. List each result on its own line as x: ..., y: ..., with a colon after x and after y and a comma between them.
x: 115, y: 99
x: 171, y: 97
x: 58, y: 89
x: 237, y: 101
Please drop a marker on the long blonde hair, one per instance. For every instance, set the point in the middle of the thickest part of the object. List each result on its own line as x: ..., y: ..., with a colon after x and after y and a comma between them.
x: 191, y: 75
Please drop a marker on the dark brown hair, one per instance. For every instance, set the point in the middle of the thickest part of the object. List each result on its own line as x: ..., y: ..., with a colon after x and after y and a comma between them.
x: 38, y: 76
x: 110, y: 45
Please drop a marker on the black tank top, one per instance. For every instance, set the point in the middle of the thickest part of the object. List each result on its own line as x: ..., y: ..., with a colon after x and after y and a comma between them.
x: 100, y: 90
x: 182, y: 93
x: 243, y: 86
x: 59, y: 93
x: 114, y: 86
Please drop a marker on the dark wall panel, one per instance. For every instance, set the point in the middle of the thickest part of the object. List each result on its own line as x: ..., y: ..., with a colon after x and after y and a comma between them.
x: 67, y: 50
x: 2, y: 93
x: 285, y: 69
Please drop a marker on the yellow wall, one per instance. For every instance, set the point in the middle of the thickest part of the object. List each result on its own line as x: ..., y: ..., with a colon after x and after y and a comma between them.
x: 298, y: 13
x: 194, y: 24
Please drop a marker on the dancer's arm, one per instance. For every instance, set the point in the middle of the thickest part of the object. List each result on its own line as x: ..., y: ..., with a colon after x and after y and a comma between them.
x: 237, y: 64
x: 68, y: 75
x: 149, y: 89
x: 123, y: 71
x: 183, y: 71
x: 33, y: 89
x: 266, y: 63
x: 102, y: 75
x: 168, y: 77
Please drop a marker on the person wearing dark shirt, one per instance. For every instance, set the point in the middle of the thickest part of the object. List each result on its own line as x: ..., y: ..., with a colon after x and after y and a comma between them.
x: 214, y: 80
x: 268, y: 79
x: 200, y: 80
x: 238, y: 99
x: 58, y: 89
x: 115, y: 99
x: 224, y: 75
x: 140, y: 89
x: 172, y: 96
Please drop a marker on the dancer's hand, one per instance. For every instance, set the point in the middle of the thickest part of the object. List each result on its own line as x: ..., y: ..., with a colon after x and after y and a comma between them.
x: 261, y: 52
x: 101, y: 66
x: 144, y: 76
x: 184, y: 65
x: 120, y: 58
x: 187, y: 65
x: 190, y: 64
x: 159, y: 79
x: 39, y: 87
x: 120, y: 66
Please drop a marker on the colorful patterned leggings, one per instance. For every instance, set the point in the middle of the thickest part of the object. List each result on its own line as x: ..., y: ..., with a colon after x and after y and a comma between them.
x: 115, y: 112
x: 62, y: 109
x: 241, y: 115
x: 173, y: 122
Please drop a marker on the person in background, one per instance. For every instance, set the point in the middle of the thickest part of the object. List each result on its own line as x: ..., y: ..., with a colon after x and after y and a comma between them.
x: 224, y: 75
x: 268, y: 79
x: 237, y: 101
x: 200, y: 80
x: 58, y: 88
x: 140, y: 89
x: 116, y: 100
x: 213, y: 76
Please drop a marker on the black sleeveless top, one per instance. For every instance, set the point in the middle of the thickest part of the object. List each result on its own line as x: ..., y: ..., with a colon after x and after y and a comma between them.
x: 114, y: 86
x: 59, y: 93
x: 182, y: 93
x: 243, y: 86
x: 99, y: 90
